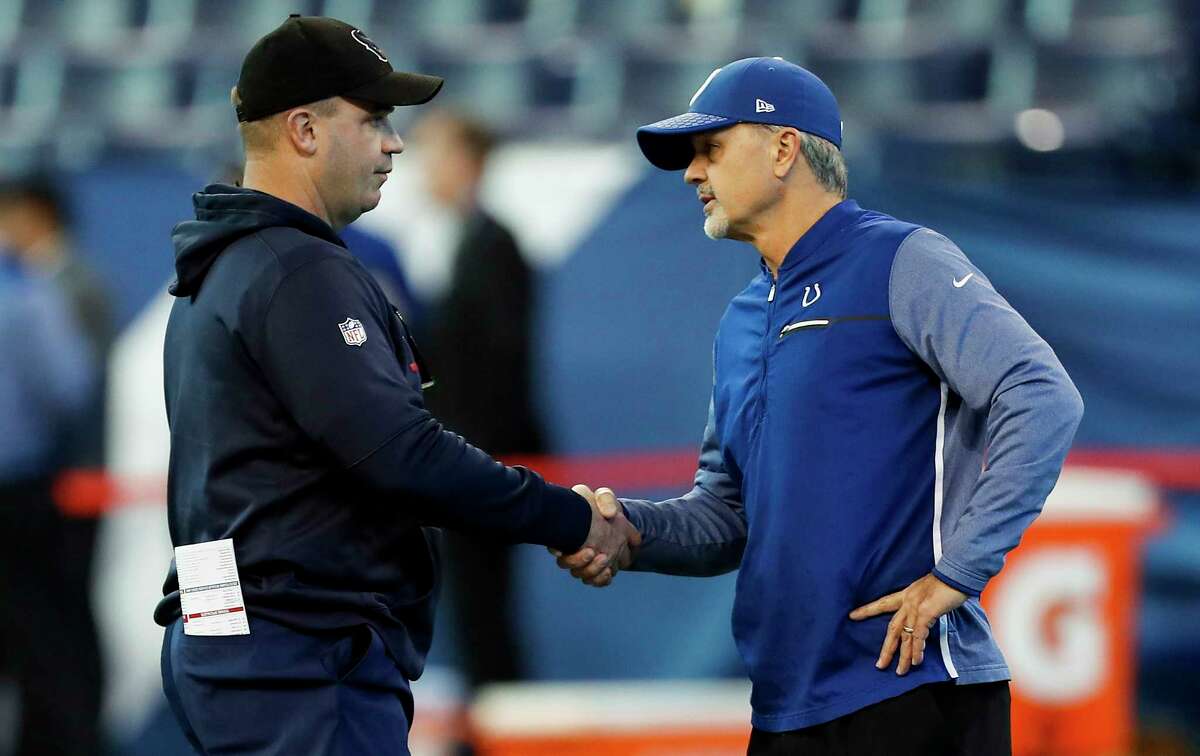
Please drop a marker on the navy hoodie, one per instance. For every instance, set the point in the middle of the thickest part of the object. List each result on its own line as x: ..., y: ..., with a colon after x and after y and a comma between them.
x: 298, y: 430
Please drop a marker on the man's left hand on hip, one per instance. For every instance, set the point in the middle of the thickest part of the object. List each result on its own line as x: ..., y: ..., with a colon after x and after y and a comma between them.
x: 915, y: 609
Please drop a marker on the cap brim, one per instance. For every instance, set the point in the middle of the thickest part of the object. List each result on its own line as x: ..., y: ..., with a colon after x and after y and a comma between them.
x: 399, y: 88
x: 667, y: 144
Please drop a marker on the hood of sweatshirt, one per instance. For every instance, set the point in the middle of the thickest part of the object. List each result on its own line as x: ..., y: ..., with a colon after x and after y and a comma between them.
x: 225, y: 214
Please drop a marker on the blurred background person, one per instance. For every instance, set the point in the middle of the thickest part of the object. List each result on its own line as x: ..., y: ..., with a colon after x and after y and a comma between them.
x: 48, y: 375
x: 479, y: 338
x: 35, y: 221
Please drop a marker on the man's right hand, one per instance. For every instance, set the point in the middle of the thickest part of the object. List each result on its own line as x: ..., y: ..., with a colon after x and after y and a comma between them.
x: 611, y: 542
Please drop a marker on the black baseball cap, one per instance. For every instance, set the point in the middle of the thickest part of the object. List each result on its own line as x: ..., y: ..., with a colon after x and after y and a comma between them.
x: 310, y: 58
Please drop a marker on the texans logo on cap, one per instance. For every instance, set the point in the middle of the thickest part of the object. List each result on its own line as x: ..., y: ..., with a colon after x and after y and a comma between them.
x: 362, y: 39
x: 310, y: 58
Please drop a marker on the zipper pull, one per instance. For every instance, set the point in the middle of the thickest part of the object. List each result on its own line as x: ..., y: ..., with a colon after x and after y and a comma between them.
x: 771, y: 295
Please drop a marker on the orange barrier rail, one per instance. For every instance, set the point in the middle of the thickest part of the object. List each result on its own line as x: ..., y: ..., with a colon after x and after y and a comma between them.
x: 89, y: 493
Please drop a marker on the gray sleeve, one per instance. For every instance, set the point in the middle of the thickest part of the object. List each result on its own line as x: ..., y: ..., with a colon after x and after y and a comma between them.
x: 699, y: 534
x: 948, y: 313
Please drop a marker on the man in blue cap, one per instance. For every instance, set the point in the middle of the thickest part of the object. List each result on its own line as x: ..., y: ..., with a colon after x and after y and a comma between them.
x: 883, y: 428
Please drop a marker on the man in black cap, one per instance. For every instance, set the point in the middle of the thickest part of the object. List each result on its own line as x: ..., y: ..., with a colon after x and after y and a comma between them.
x: 304, y: 464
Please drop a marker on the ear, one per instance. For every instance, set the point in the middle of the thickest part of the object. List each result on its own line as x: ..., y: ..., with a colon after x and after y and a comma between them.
x: 786, y: 150
x: 300, y: 126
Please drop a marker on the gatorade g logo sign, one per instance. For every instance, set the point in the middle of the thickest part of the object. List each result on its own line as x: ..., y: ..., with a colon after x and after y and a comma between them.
x: 361, y: 39
x: 1049, y: 622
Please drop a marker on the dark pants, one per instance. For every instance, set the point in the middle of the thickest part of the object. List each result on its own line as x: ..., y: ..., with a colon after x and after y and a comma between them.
x: 940, y: 719
x: 479, y: 574
x: 280, y: 691
x: 47, y: 631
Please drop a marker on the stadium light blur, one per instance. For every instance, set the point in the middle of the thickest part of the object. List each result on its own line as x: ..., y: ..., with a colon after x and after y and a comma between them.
x: 1040, y: 130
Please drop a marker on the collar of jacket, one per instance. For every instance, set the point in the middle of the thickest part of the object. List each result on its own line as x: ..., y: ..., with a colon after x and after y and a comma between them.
x: 836, y: 219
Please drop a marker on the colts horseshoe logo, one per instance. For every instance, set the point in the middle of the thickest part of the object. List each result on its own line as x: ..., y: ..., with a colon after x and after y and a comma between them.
x: 808, y: 290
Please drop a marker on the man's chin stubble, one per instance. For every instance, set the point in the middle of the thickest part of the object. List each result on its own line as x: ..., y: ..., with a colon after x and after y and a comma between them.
x: 716, y: 227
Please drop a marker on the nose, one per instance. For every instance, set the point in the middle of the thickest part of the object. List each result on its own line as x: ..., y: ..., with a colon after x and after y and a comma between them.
x: 392, y: 143
x: 695, y: 173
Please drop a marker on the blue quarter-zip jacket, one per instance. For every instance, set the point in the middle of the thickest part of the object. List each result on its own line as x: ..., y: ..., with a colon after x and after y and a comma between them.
x: 879, y: 412
x: 299, y: 431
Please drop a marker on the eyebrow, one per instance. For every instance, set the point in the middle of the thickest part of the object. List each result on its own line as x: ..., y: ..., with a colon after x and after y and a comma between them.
x: 372, y: 109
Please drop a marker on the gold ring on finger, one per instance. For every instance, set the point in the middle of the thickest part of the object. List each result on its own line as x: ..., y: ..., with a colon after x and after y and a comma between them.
x: 909, y: 630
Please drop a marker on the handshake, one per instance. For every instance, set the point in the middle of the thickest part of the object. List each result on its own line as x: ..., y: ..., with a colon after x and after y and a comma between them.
x: 611, y: 543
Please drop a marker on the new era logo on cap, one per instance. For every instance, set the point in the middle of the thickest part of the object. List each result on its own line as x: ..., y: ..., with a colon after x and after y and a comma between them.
x: 762, y: 106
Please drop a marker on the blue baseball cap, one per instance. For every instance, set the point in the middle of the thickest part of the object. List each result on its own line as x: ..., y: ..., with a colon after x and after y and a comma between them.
x: 750, y: 90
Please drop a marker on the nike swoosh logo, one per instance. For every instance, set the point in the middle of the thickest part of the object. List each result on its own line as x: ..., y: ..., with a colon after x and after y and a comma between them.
x: 959, y: 284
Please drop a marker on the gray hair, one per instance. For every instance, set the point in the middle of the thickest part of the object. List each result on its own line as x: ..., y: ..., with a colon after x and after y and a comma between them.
x: 824, y: 160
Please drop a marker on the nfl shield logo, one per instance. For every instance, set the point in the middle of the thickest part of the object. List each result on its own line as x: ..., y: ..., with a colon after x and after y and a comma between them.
x: 352, y: 332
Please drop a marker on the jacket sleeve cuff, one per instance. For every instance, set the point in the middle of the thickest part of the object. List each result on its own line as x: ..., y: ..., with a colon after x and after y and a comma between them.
x: 957, y: 580
x: 634, y: 515
x: 566, y: 520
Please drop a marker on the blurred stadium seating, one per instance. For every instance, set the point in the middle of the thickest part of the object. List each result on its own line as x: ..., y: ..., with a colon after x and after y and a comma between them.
x: 84, y: 80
